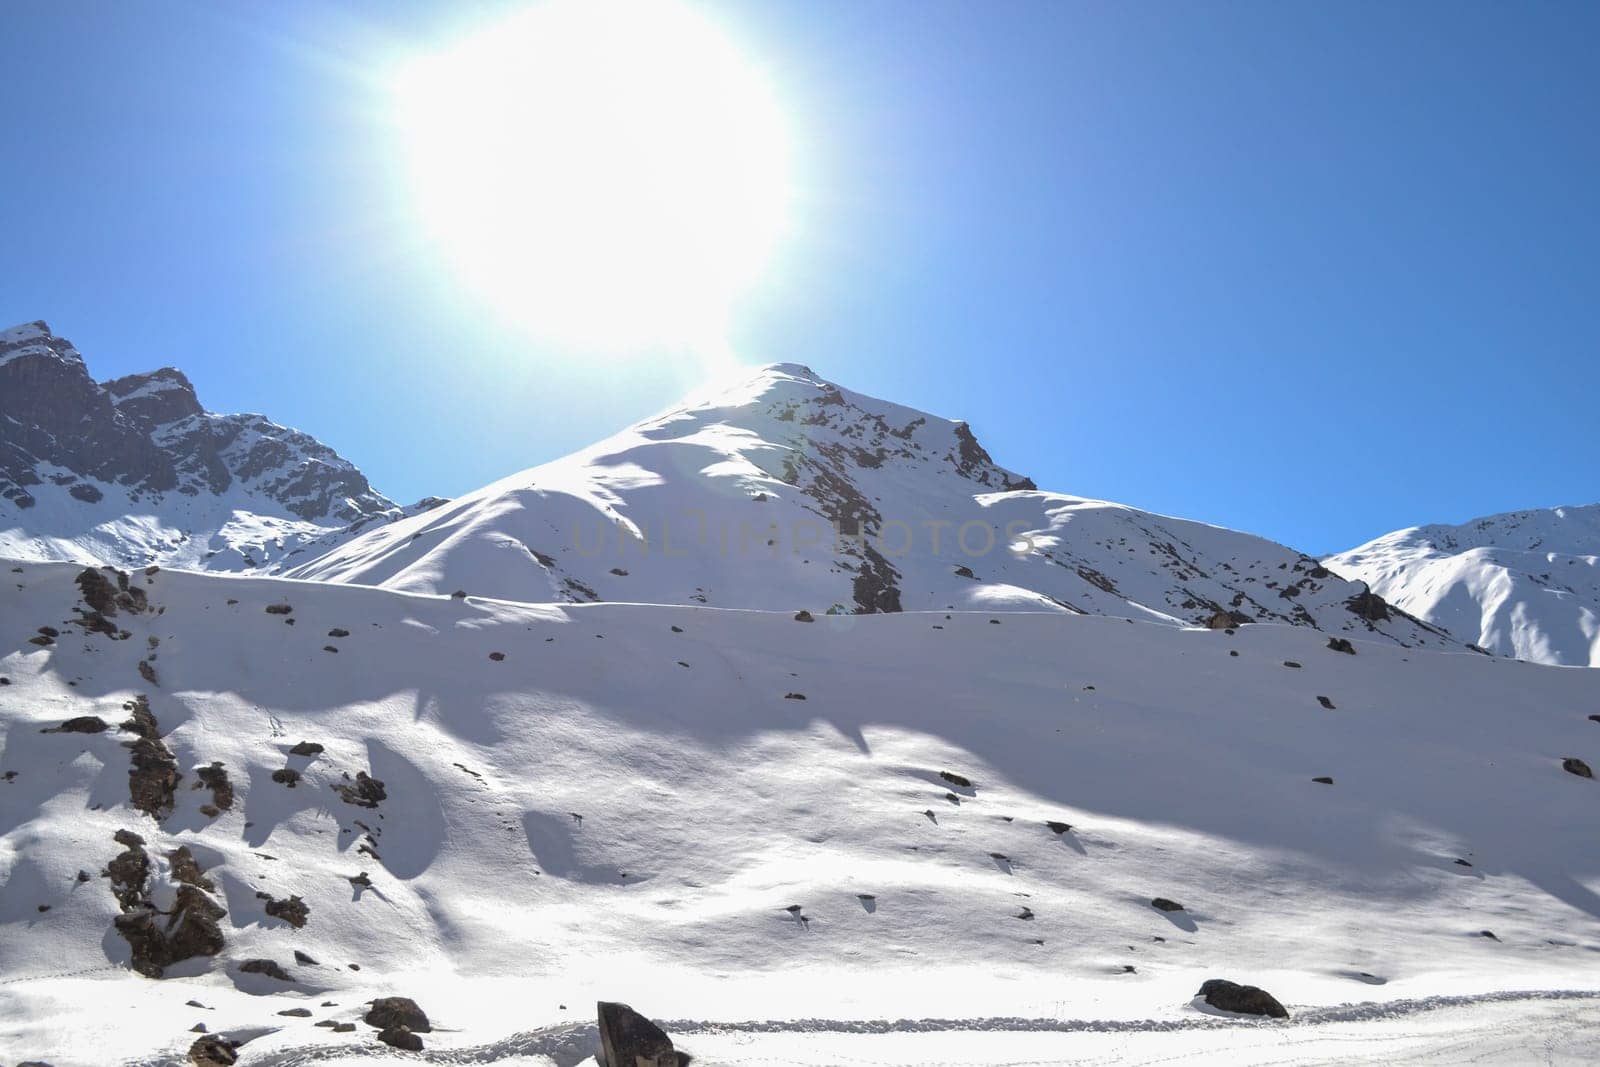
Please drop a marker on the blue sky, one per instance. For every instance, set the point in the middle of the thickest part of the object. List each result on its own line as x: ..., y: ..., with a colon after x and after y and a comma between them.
x: 1317, y: 271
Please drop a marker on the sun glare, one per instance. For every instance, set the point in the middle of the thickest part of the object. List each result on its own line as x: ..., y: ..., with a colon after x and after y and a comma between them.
x: 611, y: 173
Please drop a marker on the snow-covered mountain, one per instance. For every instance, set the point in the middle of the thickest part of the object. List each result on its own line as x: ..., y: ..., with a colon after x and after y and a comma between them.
x: 785, y: 491
x: 134, y: 471
x: 286, y: 799
x: 1523, y: 584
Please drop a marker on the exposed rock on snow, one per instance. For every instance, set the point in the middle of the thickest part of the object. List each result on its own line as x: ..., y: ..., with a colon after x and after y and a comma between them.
x: 212, y: 1051
x: 386, y: 1012
x: 1241, y: 999
x: 628, y: 1039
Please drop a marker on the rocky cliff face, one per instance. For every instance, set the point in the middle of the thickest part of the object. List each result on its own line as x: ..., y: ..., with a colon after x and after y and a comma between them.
x: 135, y: 470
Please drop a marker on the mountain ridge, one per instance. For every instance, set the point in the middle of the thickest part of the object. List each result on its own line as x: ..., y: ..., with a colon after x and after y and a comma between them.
x: 134, y: 470
x: 1522, y: 583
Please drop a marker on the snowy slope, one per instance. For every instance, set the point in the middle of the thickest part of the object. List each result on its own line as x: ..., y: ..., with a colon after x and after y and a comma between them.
x: 625, y: 805
x: 785, y: 491
x: 134, y: 471
x: 1523, y: 584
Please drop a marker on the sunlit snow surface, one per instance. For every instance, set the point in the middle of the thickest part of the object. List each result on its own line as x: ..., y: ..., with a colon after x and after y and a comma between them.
x: 710, y: 803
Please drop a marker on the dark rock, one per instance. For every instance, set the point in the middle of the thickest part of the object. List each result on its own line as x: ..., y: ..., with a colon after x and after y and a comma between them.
x: 805, y: 616
x: 400, y: 1037
x: 286, y: 776
x: 296, y: 1013
x: 215, y: 778
x: 1058, y: 827
x: 278, y: 609
x: 186, y: 870
x: 212, y: 1051
x: 82, y: 724
x: 794, y: 696
x: 267, y: 967
x: 387, y: 1012
x: 41, y: 640
x: 343, y: 1028
x: 338, y: 632
x: 1291, y: 663
x: 1341, y: 644
x: 1323, y: 780
x: 304, y: 960
x: 497, y: 656
x: 329, y: 648
x: 292, y: 911
x: 956, y: 779
x: 365, y: 793
x: 1325, y: 702
x: 152, y: 776
x: 1163, y: 904
x: 1574, y: 765
x: 306, y: 748
x: 1592, y: 718
x: 1222, y: 619
x: 1241, y: 999
x: 628, y: 1039
x: 1368, y: 605
x: 190, y: 929
x: 147, y: 672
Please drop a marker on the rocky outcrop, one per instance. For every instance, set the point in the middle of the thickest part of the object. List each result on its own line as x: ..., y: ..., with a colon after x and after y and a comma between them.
x: 146, y: 438
x: 159, y: 938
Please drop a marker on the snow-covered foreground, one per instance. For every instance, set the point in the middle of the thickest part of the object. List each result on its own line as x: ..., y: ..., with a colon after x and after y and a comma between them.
x: 628, y: 804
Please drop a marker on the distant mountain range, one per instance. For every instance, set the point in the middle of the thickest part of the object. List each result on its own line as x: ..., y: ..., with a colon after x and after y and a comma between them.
x: 134, y: 471
x: 781, y: 491
x: 1523, y: 584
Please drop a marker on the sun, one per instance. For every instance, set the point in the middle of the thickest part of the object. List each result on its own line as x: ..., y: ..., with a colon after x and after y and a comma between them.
x: 610, y: 173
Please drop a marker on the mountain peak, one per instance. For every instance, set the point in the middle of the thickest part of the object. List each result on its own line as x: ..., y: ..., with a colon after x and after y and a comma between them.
x: 156, y: 397
x: 35, y: 339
